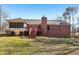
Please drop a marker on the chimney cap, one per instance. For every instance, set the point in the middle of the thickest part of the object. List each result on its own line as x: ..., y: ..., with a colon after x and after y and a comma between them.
x: 43, y: 17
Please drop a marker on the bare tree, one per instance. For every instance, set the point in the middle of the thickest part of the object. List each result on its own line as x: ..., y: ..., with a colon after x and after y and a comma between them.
x: 66, y: 15
x: 3, y: 17
x: 69, y: 14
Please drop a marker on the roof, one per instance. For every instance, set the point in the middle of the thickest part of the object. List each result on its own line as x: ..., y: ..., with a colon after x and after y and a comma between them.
x: 53, y: 22
x: 15, y: 20
x: 33, y: 21
x: 38, y: 21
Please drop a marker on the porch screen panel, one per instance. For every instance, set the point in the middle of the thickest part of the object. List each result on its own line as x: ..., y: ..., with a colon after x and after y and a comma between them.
x: 16, y: 25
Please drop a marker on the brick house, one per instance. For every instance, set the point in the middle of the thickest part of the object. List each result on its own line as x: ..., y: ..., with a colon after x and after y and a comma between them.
x: 54, y: 28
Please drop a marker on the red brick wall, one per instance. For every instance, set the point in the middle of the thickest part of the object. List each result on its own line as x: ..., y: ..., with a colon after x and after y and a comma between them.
x: 59, y: 31
x: 54, y: 30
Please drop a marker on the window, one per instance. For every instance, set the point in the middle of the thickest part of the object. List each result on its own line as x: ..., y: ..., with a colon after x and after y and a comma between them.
x: 16, y: 25
x: 48, y: 27
x: 39, y: 27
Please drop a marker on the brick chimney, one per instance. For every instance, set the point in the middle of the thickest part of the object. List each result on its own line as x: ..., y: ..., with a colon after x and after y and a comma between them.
x: 44, y: 25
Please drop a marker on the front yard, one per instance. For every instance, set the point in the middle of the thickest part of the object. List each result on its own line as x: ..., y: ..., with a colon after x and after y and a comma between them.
x: 38, y: 46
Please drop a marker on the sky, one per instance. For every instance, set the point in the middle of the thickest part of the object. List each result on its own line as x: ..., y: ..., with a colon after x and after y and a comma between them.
x: 36, y: 11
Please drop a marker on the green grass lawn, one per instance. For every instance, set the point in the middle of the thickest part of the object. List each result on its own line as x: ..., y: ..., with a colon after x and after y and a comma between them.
x: 38, y: 46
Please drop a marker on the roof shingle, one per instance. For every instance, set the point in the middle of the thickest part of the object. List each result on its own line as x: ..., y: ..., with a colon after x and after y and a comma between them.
x: 37, y: 21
